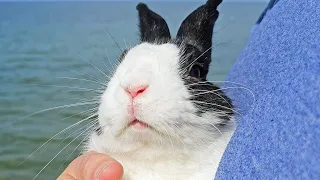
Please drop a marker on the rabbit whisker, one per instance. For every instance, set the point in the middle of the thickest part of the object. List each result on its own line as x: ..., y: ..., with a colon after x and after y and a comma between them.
x: 56, y: 135
x: 70, y: 78
x: 57, y: 155
x: 85, y: 74
x: 93, y: 66
x: 85, y: 138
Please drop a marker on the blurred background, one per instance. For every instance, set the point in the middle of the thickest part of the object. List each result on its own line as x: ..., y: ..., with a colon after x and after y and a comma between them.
x: 50, y: 53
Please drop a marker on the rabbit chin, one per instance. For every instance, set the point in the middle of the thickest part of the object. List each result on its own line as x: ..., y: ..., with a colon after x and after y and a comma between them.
x: 145, y: 160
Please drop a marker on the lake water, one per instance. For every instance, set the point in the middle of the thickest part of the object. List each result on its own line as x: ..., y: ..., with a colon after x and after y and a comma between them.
x: 44, y: 49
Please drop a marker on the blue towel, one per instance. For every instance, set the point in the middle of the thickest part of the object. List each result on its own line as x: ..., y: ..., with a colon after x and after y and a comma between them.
x: 278, y: 138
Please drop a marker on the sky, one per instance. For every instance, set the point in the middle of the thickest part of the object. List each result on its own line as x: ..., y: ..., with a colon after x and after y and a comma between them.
x: 153, y: 0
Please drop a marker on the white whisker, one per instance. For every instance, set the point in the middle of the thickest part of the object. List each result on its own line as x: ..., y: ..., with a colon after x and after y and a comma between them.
x: 213, y: 104
x: 57, y: 155
x: 70, y: 87
x: 186, y: 68
x: 93, y: 66
x: 56, y: 135
x: 70, y: 78
x: 228, y: 23
x: 45, y: 110
x: 206, y: 92
x: 85, y: 74
x: 78, y: 144
x: 90, y: 110
x: 110, y: 72
x: 114, y: 68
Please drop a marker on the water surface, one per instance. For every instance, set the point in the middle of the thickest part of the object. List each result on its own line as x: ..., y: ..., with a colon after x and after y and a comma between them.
x: 40, y: 43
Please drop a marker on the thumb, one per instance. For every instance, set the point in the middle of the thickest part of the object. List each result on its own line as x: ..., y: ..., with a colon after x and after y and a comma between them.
x: 93, y: 166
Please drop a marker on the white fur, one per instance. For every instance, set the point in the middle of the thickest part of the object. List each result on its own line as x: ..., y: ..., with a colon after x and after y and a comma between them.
x: 180, y: 148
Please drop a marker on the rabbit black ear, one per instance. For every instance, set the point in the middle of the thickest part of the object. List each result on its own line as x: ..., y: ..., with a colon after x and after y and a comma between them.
x: 153, y: 28
x: 197, y: 29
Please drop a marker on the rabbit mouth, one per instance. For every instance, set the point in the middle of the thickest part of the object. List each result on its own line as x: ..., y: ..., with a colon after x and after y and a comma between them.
x: 140, y: 125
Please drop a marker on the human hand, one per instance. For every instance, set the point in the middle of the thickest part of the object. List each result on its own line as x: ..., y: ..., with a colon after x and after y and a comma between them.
x: 93, y: 166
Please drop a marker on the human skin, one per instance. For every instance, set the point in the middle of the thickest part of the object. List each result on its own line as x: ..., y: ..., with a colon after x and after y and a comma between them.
x: 93, y: 166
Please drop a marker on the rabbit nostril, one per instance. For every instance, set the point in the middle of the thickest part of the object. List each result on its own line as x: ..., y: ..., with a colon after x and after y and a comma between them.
x: 140, y: 91
x: 134, y: 92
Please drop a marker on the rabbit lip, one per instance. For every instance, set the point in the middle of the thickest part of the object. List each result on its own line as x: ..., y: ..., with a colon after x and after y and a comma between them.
x: 139, y: 124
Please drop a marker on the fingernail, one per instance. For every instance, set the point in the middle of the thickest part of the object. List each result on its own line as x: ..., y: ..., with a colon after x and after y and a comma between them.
x: 102, y: 169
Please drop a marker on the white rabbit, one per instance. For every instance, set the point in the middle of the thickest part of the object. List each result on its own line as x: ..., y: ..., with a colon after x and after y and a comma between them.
x: 159, y: 117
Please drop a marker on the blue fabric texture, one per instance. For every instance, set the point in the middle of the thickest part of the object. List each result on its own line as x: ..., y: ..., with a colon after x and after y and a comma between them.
x: 278, y: 138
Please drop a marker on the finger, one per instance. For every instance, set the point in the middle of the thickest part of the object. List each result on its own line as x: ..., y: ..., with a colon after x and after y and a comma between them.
x: 64, y: 176
x: 93, y: 166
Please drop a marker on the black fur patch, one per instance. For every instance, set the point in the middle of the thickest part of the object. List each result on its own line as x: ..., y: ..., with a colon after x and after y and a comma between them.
x: 123, y: 54
x: 209, y: 97
x: 191, y: 55
x: 195, y: 32
x: 153, y: 28
x: 195, y: 40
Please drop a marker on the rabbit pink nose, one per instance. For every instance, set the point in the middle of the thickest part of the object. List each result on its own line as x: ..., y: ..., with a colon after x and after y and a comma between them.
x: 134, y: 92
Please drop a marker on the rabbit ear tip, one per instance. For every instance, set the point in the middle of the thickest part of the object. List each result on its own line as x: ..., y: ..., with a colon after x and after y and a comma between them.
x: 153, y: 27
x: 141, y: 6
x: 214, y: 3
